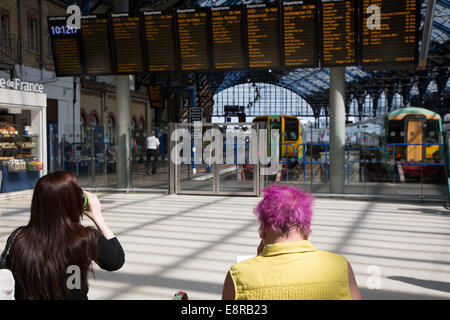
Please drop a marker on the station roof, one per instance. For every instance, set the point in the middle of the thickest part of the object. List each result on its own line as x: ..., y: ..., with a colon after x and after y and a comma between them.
x: 313, y: 83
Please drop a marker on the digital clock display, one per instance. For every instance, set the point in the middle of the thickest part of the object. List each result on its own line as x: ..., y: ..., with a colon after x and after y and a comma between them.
x: 57, y: 30
x: 66, y: 47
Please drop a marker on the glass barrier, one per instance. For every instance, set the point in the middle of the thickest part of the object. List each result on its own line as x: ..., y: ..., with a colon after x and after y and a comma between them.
x: 305, y: 166
x: 86, y: 154
x: 236, y: 171
x: 150, y: 168
x: 92, y: 157
x: 397, y: 169
x: 193, y: 174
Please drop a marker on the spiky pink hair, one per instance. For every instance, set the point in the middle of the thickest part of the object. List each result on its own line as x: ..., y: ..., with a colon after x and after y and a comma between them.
x: 284, y: 207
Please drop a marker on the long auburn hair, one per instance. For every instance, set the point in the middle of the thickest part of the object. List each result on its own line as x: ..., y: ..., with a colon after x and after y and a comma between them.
x: 54, y: 238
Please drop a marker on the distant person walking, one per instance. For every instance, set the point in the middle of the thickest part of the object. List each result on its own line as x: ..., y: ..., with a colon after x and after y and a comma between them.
x: 152, y: 143
x: 288, y: 266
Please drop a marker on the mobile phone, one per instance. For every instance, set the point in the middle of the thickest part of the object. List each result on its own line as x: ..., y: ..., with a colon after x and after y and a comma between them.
x: 84, y: 201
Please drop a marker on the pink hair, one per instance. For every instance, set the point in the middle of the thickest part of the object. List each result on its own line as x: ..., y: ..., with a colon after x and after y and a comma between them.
x: 284, y: 207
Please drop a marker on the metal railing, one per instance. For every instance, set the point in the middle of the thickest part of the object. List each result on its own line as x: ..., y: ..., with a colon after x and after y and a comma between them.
x: 284, y: 160
x: 395, y: 162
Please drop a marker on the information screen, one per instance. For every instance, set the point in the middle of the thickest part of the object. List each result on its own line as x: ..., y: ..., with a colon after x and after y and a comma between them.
x: 65, y: 47
x: 127, y: 43
x: 96, y: 44
x: 338, y: 32
x: 393, y: 38
x: 226, y: 25
x: 156, y: 97
x: 193, y: 39
x: 300, y: 30
x: 263, y: 36
x: 159, y: 36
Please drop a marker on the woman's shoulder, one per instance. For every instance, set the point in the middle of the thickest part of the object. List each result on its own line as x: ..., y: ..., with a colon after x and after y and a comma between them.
x: 9, y: 243
x: 15, y: 233
x: 332, y: 256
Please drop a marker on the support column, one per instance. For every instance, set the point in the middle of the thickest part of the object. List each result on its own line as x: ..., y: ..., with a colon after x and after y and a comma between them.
x: 123, y: 165
x: 123, y: 133
x: 337, y: 130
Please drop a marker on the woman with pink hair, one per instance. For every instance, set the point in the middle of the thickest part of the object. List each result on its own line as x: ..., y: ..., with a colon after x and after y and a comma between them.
x: 288, y: 267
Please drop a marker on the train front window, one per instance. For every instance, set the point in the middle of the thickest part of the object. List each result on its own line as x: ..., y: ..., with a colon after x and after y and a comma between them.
x: 261, y: 120
x: 275, y: 124
x: 432, y: 131
x: 291, y: 129
x: 396, y: 132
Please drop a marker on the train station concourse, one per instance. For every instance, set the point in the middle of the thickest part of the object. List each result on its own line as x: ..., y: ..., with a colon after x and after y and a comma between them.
x: 187, y: 128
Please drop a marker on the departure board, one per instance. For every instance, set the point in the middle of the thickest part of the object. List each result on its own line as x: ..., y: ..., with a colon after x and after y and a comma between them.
x: 338, y: 32
x: 159, y: 36
x: 394, y: 40
x: 96, y: 44
x: 127, y: 43
x: 193, y: 39
x: 156, y: 96
x: 263, y: 36
x: 300, y: 34
x: 226, y: 24
x: 65, y: 47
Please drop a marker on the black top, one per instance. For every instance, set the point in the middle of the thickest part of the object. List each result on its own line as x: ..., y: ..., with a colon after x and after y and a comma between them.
x: 110, y: 258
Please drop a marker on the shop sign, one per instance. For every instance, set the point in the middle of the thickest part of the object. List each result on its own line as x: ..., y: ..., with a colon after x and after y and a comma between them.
x: 17, y: 84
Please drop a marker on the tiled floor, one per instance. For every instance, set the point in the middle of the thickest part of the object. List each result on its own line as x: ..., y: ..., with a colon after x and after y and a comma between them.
x: 188, y: 243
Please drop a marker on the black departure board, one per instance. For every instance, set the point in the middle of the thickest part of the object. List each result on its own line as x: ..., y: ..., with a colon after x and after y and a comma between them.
x: 395, y: 39
x: 96, y: 44
x: 65, y: 47
x: 193, y: 39
x: 300, y: 34
x: 159, y: 37
x: 156, y: 96
x: 263, y: 36
x: 127, y: 43
x: 226, y: 25
x: 338, y: 32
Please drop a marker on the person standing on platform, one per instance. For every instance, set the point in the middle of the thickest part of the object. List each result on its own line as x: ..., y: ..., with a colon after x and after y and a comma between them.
x: 152, y: 144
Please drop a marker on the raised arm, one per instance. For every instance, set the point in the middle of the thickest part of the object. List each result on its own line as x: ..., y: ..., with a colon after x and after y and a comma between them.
x: 111, y: 256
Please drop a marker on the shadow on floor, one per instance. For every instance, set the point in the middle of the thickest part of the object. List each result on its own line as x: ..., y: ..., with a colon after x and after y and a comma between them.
x: 429, y: 284
x: 428, y: 211
x: 368, y: 294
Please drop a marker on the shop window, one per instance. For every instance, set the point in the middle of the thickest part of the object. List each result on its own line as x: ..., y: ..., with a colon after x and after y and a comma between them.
x: 32, y: 35
x: 4, y: 31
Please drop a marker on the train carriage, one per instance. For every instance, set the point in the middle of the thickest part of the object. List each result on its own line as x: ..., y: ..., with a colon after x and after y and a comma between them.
x: 290, y: 130
x: 409, y: 136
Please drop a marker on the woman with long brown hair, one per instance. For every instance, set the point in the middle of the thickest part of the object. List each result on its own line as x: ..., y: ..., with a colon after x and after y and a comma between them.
x: 48, y: 254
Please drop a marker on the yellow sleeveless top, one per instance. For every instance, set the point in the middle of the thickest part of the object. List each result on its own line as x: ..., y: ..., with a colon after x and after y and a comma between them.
x: 291, y: 271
